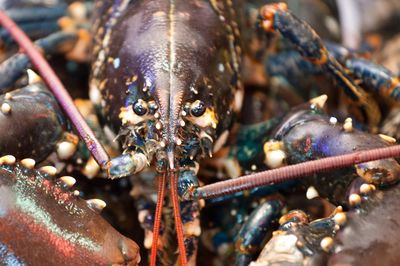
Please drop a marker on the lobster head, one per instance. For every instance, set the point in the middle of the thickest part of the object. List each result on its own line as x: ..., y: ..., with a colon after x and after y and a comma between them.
x: 169, y: 83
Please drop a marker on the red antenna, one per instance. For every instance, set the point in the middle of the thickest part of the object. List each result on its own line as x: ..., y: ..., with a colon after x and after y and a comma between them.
x: 292, y: 172
x: 157, y: 218
x: 177, y: 216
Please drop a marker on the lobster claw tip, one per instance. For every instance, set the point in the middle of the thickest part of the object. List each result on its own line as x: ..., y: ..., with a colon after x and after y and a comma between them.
x: 130, y: 251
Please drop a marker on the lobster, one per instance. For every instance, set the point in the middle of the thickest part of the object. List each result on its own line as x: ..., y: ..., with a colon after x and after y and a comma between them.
x: 164, y: 100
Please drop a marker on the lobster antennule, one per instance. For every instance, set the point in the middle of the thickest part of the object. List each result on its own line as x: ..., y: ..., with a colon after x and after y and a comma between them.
x: 157, y: 218
x: 177, y: 217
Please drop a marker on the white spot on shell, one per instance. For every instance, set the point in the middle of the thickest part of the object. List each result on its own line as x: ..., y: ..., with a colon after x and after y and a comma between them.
x: 68, y: 180
x: 238, y: 100
x: 5, y: 108
x: 387, y: 138
x: 91, y: 168
x: 275, y: 158
x: 333, y: 120
x: 354, y: 199
x: 66, y: 150
x: 94, y: 94
x: 116, y: 63
x: 8, y: 159
x: 33, y: 77
x: 148, y: 239
x: 96, y: 204
x: 48, y: 169
x: 142, y: 215
x: 28, y: 163
x: 348, y: 125
x: 327, y: 243
x: 312, y: 193
x: 340, y: 218
x: 319, y: 101
x: 8, y: 96
x: 366, y: 188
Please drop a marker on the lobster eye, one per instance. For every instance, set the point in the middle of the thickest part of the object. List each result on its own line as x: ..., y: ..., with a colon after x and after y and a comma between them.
x: 197, y: 108
x: 140, y: 107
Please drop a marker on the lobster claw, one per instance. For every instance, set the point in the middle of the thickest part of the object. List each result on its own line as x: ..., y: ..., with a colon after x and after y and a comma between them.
x: 126, y: 164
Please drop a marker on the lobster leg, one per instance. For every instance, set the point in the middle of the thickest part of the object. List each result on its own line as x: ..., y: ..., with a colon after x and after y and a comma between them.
x: 254, y: 231
x: 36, y: 21
x: 15, y: 67
x: 190, y: 216
x: 294, y: 69
x: 276, y: 17
x: 299, y: 242
x: 374, y: 77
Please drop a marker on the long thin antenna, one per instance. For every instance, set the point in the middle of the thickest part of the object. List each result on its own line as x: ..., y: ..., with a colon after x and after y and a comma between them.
x: 293, y: 172
x: 177, y: 216
x: 55, y: 85
x: 157, y: 218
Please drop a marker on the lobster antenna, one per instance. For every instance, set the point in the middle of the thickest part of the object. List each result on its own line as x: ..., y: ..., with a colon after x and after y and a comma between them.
x: 291, y: 172
x: 55, y: 85
x: 157, y: 218
x: 177, y: 216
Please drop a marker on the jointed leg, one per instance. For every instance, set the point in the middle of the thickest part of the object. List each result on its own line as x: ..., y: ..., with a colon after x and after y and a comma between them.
x: 276, y: 17
x: 13, y: 68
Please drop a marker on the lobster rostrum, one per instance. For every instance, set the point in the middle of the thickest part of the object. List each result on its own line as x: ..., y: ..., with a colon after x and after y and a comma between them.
x: 167, y: 79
